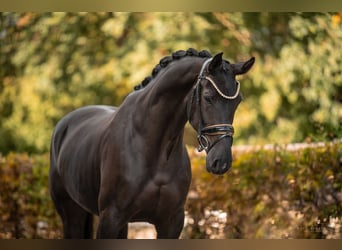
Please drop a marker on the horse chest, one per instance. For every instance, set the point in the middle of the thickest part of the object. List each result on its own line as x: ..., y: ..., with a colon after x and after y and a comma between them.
x: 162, y: 187
x: 156, y: 199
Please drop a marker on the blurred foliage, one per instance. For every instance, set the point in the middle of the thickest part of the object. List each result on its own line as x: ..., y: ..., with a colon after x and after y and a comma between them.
x: 52, y: 63
x: 26, y: 209
x: 277, y: 193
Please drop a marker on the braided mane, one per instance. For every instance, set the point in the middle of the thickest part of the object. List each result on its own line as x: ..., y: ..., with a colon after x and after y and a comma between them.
x: 168, y: 59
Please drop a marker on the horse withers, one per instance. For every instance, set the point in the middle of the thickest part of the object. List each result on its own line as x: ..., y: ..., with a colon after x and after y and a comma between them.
x: 129, y: 163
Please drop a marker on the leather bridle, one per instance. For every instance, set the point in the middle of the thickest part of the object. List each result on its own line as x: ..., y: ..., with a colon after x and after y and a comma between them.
x: 222, y: 130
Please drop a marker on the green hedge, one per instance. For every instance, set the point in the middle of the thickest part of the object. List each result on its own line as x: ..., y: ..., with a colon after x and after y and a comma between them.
x: 275, y: 193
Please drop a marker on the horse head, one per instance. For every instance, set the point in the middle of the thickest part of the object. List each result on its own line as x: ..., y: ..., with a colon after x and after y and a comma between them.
x: 211, y: 108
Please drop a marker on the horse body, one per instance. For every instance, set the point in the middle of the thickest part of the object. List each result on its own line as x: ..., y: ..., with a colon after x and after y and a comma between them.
x: 107, y: 161
x: 129, y: 163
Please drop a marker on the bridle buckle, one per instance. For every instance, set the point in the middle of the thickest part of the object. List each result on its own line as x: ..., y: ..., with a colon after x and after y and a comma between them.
x: 203, y: 143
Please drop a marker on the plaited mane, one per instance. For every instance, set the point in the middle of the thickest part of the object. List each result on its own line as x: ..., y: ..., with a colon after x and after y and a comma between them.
x: 168, y: 59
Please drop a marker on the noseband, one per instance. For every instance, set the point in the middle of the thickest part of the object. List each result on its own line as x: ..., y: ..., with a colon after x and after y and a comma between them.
x: 222, y: 130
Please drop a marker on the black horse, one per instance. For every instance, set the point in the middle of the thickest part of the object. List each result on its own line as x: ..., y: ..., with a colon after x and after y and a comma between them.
x: 129, y: 163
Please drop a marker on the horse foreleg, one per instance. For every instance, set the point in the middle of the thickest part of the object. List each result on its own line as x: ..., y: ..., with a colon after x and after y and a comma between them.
x: 112, y: 225
x: 170, y: 228
x: 123, y: 233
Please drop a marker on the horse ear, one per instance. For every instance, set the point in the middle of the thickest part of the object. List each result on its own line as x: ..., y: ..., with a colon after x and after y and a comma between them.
x: 216, y: 62
x: 243, y: 67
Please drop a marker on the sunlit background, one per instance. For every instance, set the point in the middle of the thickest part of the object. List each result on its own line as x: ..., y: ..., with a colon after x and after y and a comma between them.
x: 53, y: 63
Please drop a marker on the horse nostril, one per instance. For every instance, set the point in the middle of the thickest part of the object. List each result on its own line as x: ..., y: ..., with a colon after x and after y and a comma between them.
x: 216, y: 165
x: 219, y: 167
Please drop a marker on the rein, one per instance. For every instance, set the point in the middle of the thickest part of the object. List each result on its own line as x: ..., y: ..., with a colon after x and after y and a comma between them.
x: 222, y: 130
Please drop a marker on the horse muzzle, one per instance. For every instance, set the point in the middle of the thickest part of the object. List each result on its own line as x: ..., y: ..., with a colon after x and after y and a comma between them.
x: 219, y: 167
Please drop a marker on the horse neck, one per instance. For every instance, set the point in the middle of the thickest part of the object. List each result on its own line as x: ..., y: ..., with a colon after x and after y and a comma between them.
x: 160, y: 110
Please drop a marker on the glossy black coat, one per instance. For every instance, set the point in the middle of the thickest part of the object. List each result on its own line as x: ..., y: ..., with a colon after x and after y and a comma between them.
x: 129, y: 163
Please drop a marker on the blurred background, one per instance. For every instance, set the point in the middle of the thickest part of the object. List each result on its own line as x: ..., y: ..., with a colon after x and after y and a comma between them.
x: 53, y: 63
